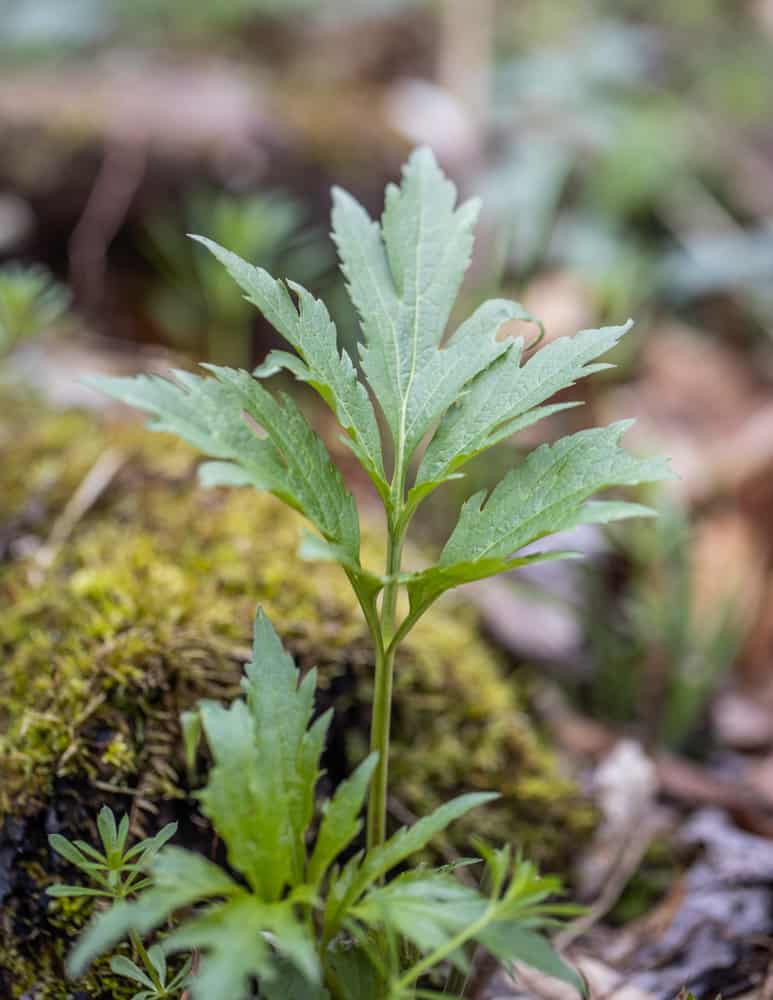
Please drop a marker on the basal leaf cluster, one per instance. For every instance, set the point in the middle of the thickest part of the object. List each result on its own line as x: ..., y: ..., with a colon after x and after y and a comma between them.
x: 289, y: 910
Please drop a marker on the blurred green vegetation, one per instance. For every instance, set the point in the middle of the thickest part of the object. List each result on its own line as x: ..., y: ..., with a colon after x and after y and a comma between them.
x: 31, y: 301
x: 624, y: 143
x: 657, y: 658
x: 42, y: 28
x: 194, y: 300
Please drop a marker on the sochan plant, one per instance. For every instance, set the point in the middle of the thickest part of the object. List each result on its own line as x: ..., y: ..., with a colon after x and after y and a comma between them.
x: 464, y: 397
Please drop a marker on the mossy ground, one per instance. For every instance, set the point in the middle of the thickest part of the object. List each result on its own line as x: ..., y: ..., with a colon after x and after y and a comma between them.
x: 148, y: 606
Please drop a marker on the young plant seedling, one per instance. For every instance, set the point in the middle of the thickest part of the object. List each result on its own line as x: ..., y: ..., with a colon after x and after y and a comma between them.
x: 306, y: 916
x: 118, y: 872
x: 30, y: 302
x: 462, y: 397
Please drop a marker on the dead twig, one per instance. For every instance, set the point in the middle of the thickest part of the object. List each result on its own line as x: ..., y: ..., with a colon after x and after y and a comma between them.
x: 629, y: 859
x: 119, y: 177
x: 91, y: 488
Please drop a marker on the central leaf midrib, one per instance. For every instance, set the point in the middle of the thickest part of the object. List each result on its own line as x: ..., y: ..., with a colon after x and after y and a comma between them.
x: 404, y: 397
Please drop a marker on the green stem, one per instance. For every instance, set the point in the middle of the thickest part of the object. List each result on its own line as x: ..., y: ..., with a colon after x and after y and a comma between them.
x: 332, y: 983
x: 441, y: 953
x: 139, y: 947
x: 382, y: 697
x: 405, y: 627
x: 379, y: 741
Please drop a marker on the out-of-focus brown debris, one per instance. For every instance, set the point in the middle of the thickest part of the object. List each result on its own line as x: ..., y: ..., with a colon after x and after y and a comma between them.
x: 562, y: 302
x: 175, y: 109
x: 727, y: 564
x: 698, y: 395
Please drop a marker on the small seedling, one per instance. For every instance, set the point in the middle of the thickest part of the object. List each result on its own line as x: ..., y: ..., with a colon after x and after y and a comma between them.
x: 30, y: 302
x: 658, y: 660
x: 118, y: 872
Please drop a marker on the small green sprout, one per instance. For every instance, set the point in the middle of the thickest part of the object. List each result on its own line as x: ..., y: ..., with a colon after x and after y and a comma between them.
x: 193, y: 301
x: 118, y: 872
x: 31, y: 300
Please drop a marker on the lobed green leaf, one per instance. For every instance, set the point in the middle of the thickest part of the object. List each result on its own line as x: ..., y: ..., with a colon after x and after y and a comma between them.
x: 427, y: 908
x: 547, y: 493
x: 403, y: 277
x: 241, y: 939
x: 510, y: 942
x: 309, y: 329
x: 291, y: 462
x: 507, y: 397
x: 260, y: 792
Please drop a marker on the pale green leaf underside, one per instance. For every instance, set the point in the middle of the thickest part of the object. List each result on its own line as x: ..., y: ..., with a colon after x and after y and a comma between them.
x: 231, y: 939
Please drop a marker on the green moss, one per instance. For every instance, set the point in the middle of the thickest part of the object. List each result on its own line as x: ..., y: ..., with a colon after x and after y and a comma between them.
x: 148, y: 607
x: 39, y: 972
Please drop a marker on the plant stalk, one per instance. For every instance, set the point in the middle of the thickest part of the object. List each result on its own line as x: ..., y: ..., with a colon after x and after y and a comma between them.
x: 379, y: 741
x: 139, y: 947
x: 382, y: 698
x: 443, y: 951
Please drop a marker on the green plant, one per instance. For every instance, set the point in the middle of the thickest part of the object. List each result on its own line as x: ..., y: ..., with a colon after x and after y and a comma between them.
x: 403, y: 277
x: 194, y: 297
x: 307, y: 920
x: 659, y: 660
x: 117, y: 873
x: 30, y: 301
